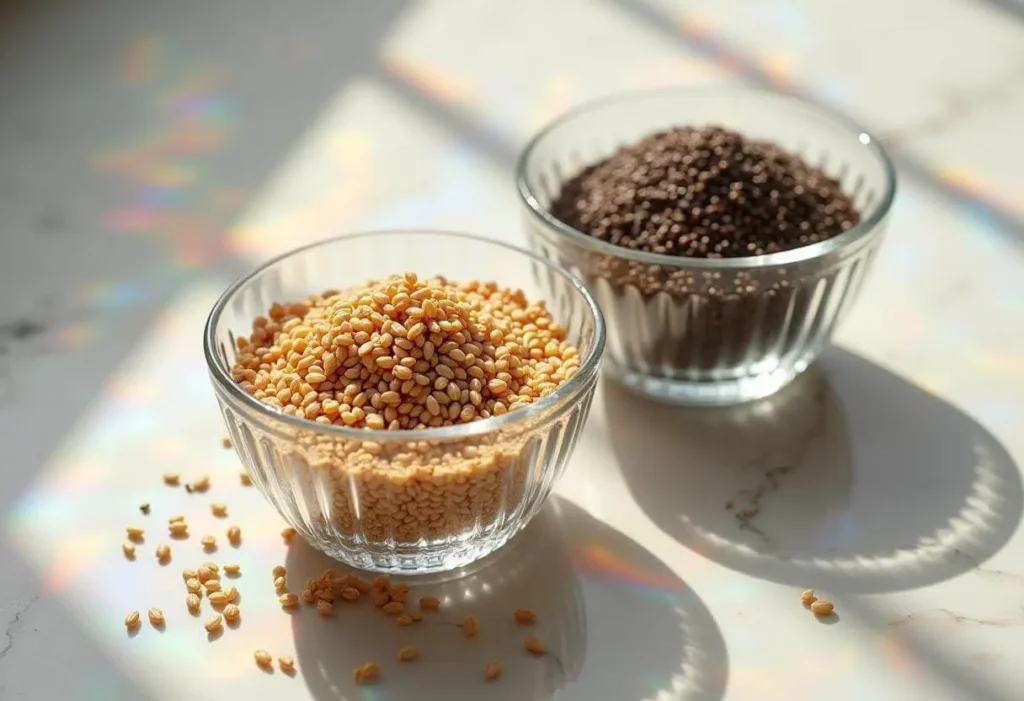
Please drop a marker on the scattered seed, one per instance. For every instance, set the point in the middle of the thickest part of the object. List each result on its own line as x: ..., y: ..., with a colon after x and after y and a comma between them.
x: 211, y: 585
x: 232, y: 569
x: 492, y: 672
x: 381, y: 599
x: 405, y: 620
x: 231, y: 612
x: 178, y: 518
x: 361, y: 584
x: 289, y: 600
x: 171, y: 479
x: 219, y: 510
x: 808, y: 597
x: 204, y: 573
x: 367, y: 673
x: 201, y: 484
x: 231, y: 593
x: 325, y: 608
x: 234, y: 535
x: 194, y: 586
x: 188, y: 488
x: 381, y: 581
x: 144, y: 507
x: 408, y: 653
x: 192, y: 602
x: 393, y: 607
x: 129, y: 550
x: 131, y: 620
x: 217, y: 598
x: 822, y: 607
x: 156, y: 617
x: 178, y: 529
x: 535, y: 645
x: 288, y: 534
x: 163, y: 553
x: 213, y: 624
x: 189, y: 574
x: 416, y: 616
x: 470, y: 626
x: 399, y: 596
x: 287, y: 664
x: 136, y: 534
x: 525, y: 616
x: 245, y: 478
x: 213, y: 567
x: 350, y: 594
x: 262, y: 657
x: 430, y: 603
x: 226, y: 441
x: 279, y: 571
x: 280, y: 584
x: 209, y: 543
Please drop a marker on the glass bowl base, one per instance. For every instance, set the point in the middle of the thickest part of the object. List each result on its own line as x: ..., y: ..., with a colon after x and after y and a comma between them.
x: 705, y: 393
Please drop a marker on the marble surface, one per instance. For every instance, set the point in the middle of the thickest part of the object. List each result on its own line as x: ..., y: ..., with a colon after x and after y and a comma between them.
x: 151, y: 152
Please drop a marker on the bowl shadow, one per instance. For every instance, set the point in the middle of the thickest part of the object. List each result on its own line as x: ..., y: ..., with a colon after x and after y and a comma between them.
x: 612, y: 617
x: 849, y: 479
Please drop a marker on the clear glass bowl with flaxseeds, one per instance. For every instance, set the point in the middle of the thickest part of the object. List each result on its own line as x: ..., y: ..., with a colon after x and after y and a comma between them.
x: 405, y: 399
x: 724, y: 233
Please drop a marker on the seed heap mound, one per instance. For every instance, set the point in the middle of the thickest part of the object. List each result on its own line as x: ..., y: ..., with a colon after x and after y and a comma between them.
x: 705, y: 193
x: 406, y: 354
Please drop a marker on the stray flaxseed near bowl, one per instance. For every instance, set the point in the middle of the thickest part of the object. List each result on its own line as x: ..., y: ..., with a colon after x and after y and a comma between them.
x: 705, y: 330
x: 423, y: 500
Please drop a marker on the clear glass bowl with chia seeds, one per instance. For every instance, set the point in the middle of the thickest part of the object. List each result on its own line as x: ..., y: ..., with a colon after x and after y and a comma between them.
x: 405, y: 501
x: 711, y: 330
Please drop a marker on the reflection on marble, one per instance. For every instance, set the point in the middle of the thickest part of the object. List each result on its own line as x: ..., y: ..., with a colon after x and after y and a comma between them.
x: 850, y: 479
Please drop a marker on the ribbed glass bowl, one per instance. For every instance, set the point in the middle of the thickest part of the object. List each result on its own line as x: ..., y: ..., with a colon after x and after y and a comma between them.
x: 711, y: 331
x: 400, y: 514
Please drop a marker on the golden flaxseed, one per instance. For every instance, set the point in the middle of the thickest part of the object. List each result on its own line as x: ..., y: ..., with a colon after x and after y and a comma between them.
x: 231, y: 593
x: 367, y: 673
x: 381, y: 599
x: 163, y: 553
x: 231, y: 612
x: 262, y: 657
x: 288, y: 534
x: 535, y: 645
x: 219, y: 510
x: 178, y: 529
x: 201, y: 484
x: 156, y: 617
x: 226, y: 441
x: 244, y: 477
x: 128, y: 548
x: 492, y: 672
x: 393, y: 607
x: 194, y: 586
x: 172, y: 479
x: 408, y: 653
x: 822, y: 607
x: 405, y: 620
x: 279, y: 571
x: 470, y: 626
x: 280, y: 584
x: 808, y: 597
x: 209, y: 543
x: 211, y: 585
x: 350, y: 594
x: 135, y: 533
x: 131, y: 620
x: 232, y: 569
x: 204, y: 573
x: 429, y: 603
x: 213, y: 624
x: 524, y: 616
x: 234, y: 535
x: 325, y: 608
x: 217, y: 598
x: 287, y: 664
x: 188, y: 574
x: 289, y: 600
x: 192, y: 603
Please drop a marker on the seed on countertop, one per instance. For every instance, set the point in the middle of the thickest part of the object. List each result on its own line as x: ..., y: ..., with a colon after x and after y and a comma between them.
x: 234, y: 535
x: 135, y: 533
x: 212, y: 566
x: 194, y: 586
x: 201, y: 484
x: 288, y: 534
x: 470, y: 626
x: 231, y: 612
x: 393, y: 607
x: 287, y: 664
x: 156, y: 617
x: 808, y: 597
x: 367, y: 673
x: 245, y: 478
x: 231, y: 593
x: 219, y: 510
x: 280, y: 584
x: 189, y: 574
x: 211, y: 585
x: 289, y: 600
x: 279, y: 571
x: 131, y: 620
x: 408, y: 653
x: 492, y: 672
x: 308, y: 596
x: 172, y: 479
x: 262, y: 657
x: 163, y: 553
x: 535, y: 645
x: 381, y: 599
x: 226, y: 441
x: 325, y: 608
x: 192, y: 602
x: 350, y: 594
x: 144, y: 507
x: 525, y: 616
x: 178, y: 518
x: 209, y: 543
x: 361, y: 584
x: 213, y: 624
x: 217, y: 598
x: 822, y: 607
x: 232, y: 569
x: 430, y: 603
x: 205, y: 573
x: 416, y: 616
x: 129, y: 550
x: 405, y: 620
x: 178, y: 529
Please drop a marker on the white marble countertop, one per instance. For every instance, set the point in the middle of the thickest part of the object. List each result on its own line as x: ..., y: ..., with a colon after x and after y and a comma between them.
x: 151, y: 152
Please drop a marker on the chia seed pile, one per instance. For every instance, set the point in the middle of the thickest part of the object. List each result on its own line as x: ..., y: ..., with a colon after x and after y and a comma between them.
x: 705, y: 192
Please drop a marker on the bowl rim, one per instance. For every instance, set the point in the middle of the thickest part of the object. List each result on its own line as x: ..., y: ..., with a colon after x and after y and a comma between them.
x: 573, y: 387
x: 794, y: 255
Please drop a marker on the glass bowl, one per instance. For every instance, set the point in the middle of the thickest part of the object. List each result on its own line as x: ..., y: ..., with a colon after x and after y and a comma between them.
x: 366, y: 497
x: 711, y: 331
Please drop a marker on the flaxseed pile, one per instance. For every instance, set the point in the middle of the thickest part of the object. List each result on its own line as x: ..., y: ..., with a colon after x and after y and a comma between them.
x: 405, y: 354
x: 706, y: 193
